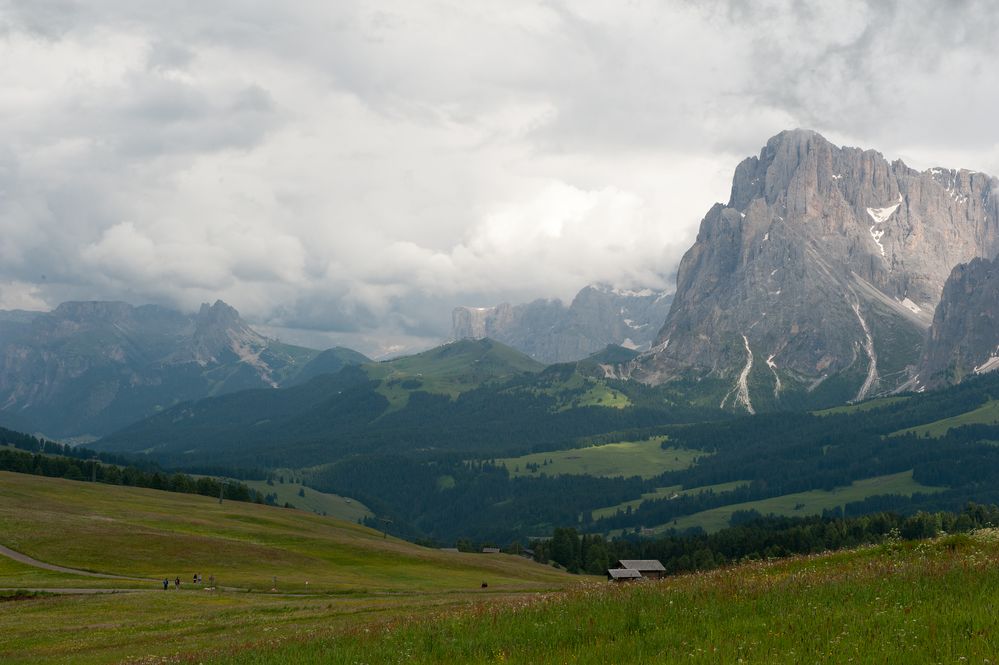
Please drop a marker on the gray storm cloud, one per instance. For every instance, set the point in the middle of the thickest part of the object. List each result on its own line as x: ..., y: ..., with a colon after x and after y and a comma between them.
x: 356, y: 169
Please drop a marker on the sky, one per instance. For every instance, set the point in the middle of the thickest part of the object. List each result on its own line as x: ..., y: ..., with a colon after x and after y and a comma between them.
x: 348, y: 172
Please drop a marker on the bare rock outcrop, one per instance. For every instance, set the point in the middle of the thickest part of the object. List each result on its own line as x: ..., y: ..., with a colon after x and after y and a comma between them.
x: 826, y: 265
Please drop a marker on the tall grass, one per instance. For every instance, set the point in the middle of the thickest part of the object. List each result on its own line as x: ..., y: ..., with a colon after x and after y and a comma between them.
x: 900, y: 603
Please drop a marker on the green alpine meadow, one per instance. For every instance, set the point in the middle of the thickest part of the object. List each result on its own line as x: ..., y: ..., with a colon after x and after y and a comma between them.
x: 508, y: 331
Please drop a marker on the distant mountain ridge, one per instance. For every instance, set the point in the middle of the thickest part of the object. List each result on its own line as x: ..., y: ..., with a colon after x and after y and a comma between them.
x: 551, y: 332
x: 87, y: 368
x: 817, y: 281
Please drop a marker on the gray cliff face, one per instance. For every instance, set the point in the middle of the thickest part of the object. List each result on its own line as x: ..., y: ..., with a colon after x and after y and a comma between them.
x: 964, y: 338
x: 550, y: 332
x: 87, y: 368
x: 819, y: 278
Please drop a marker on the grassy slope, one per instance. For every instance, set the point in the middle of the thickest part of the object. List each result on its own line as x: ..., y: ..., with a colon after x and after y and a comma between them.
x: 895, y: 603
x: 314, y: 501
x: 576, y: 391
x: 861, y: 407
x: 627, y: 458
x: 665, y: 492
x: 151, y: 534
x: 805, y: 503
x: 449, y: 370
x: 987, y: 414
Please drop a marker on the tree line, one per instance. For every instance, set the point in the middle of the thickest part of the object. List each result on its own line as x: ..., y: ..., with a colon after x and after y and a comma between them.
x: 755, y: 537
x: 54, y: 462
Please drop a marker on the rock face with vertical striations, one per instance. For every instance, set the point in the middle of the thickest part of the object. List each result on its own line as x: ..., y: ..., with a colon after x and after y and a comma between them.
x: 550, y: 332
x: 964, y: 338
x: 817, y: 281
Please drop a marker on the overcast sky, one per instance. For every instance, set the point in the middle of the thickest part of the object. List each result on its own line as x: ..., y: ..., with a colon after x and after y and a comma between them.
x: 347, y: 172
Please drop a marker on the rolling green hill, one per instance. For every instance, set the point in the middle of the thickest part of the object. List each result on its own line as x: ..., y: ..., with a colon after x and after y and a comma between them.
x: 646, y: 459
x: 477, y: 398
x: 153, y: 534
x: 449, y: 370
x: 278, y: 570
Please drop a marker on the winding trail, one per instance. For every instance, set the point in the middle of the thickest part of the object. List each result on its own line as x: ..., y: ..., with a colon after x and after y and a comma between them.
x: 73, y: 591
x: 25, y: 559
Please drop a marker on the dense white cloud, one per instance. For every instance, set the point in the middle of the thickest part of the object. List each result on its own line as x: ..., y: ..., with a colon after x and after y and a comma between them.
x: 355, y: 169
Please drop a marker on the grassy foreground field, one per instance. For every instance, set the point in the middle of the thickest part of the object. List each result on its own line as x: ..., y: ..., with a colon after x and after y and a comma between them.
x: 932, y: 602
x: 627, y: 458
x: 897, y: 603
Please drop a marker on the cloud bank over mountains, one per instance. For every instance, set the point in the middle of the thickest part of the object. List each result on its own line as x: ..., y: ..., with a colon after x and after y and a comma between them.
x: 355, y: 169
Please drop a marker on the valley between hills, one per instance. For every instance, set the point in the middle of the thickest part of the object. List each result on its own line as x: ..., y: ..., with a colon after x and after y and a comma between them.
x: 808, y: 421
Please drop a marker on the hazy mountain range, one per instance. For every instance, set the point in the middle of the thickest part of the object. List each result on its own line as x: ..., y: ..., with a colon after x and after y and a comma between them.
x: 551, y: 332
x: 88, y: 368
x: 816, y: 284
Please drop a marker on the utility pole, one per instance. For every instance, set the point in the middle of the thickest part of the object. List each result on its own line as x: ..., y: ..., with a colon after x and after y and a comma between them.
x: 221, y: 489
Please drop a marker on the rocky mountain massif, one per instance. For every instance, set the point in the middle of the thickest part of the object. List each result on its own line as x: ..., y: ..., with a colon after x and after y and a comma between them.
x: 87, y: 368
x: 550, y: 332
x: 964, y: 337
x: 817, y: 281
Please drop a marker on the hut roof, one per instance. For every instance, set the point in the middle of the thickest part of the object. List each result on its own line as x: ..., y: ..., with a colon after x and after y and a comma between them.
x: 643, y: 565
x: 623, y: 574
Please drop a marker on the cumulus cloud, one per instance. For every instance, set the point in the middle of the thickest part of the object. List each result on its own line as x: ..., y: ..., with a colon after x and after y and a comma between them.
x: 347, y: 172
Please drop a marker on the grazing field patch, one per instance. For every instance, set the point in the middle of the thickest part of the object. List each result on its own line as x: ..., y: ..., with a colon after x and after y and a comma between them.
x: 986, y: 414
x: 667, y: 493
x: 626, y: 458
x: 312, y: 500
x: 801, y: 504
x: 868, y: 405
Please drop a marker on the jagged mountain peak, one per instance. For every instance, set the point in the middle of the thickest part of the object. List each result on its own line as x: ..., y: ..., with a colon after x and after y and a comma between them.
x: 820, y: 275
x: 218, y: 313
x: 220, y: 331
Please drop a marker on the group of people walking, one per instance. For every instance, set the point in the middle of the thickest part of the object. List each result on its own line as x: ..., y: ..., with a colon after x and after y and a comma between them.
x: 195, y: 579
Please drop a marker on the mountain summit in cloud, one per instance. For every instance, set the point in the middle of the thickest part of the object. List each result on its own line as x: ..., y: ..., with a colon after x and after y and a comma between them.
x: 819, y: 278
x: 549, y: 331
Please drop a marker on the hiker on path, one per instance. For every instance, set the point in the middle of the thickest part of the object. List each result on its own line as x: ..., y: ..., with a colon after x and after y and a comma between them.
x: 166, y: 584
x: 176, y: 582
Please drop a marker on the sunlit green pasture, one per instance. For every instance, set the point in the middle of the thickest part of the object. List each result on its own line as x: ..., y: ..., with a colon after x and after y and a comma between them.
x: 666, y: 493
x: 986, y: 414
x: 802, y: 504
x: 627, y: 458
x: 314, y: 501
x: 860, y: 407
